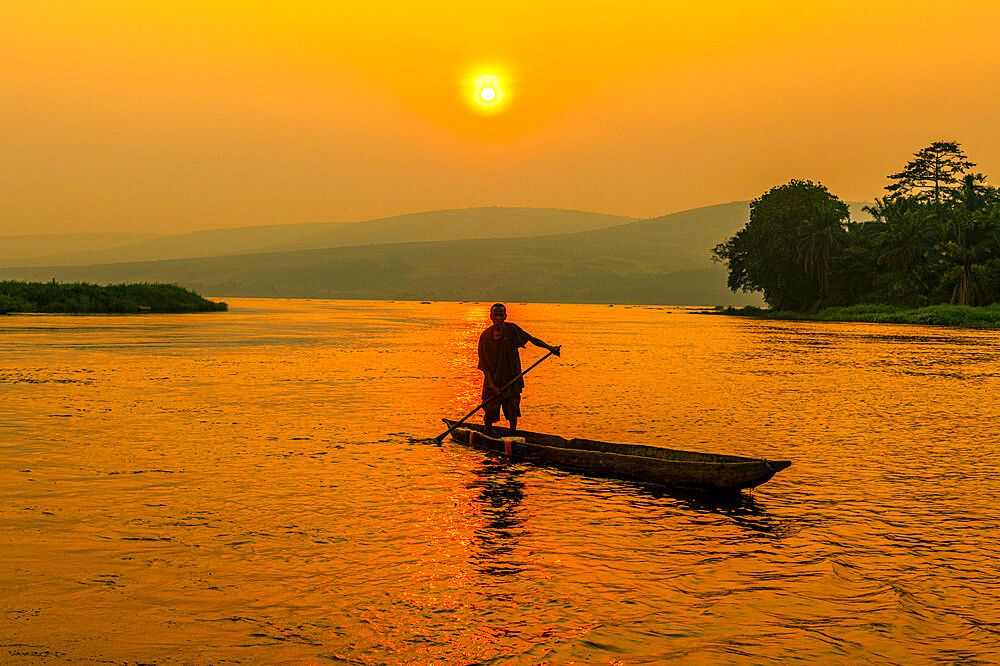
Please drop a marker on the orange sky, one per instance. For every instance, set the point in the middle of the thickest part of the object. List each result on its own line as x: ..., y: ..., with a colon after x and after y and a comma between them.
x: 172, y: 116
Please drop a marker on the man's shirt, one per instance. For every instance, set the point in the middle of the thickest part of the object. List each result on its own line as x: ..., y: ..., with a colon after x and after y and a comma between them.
x: 500, y: 358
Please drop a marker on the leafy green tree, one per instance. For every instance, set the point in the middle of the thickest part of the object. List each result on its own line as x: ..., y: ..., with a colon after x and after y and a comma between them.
x: 786, y: 249
x: 932, y: 175
x: 934, y: 238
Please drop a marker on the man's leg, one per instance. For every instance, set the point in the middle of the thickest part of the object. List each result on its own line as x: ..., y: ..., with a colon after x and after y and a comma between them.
x: 491, y: 414
x: 512, y: 409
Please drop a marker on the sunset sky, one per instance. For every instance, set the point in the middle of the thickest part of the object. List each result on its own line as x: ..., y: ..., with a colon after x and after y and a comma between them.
x: 171, y: 116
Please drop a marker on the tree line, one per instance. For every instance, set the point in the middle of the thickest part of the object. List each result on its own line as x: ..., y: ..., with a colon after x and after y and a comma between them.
x: 934, y: 238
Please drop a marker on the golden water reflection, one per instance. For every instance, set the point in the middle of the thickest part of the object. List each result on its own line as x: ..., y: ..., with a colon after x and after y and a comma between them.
x: 256, y: 486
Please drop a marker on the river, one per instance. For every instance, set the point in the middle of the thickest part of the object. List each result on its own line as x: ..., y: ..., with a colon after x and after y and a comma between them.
x: 256, y: 486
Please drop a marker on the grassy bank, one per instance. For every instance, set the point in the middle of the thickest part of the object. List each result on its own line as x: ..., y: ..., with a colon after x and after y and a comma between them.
x: 83, y: 298
x: 936, y: 315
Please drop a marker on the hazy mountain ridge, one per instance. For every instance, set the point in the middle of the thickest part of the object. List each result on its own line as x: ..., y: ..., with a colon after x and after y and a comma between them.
x: 655, y: 261
x: 493, y: 222
x: 43, y: 247
x: 454, y: 270
x: 664, y: 260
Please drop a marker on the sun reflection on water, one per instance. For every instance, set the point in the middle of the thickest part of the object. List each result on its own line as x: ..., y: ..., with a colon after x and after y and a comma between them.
x: 257, y: 486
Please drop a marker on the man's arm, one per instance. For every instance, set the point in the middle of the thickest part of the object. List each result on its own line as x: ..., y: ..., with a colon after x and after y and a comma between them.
x: 538, y: 343
x: 525, y: 337
x: 489, y: 382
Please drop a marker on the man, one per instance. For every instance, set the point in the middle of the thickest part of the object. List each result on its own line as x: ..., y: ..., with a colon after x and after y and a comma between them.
x: 500, y: 362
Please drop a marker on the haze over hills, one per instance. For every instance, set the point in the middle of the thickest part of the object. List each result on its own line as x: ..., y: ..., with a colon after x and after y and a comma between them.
x: 664, y: 260
x: 494, y: 222
x: 25, y: 249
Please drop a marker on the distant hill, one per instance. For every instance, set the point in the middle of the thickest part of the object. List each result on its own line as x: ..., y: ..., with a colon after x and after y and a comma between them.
x: 28, y: 247
x: 429, y: 226
x: 665, y: 260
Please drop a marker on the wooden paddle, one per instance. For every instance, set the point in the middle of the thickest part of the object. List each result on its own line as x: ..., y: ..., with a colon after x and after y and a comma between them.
x: 506, y: 386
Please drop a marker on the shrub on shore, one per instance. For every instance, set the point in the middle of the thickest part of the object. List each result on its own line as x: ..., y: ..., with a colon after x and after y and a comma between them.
x: 83, y: 298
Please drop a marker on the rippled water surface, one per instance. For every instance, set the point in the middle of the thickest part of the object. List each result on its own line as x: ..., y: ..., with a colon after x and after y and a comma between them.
x: 255, y: 486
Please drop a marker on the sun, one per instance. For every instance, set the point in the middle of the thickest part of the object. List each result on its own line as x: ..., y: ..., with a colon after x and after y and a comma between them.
x: 488, y: 94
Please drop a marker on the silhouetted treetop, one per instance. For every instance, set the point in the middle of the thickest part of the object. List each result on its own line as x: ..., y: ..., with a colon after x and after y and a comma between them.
x: 934, y: 171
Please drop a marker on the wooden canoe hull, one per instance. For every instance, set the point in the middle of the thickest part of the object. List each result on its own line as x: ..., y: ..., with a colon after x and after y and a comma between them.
x: 670, y: 467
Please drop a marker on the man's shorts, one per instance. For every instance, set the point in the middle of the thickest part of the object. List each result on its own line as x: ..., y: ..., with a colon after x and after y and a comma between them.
x: 511, y: 405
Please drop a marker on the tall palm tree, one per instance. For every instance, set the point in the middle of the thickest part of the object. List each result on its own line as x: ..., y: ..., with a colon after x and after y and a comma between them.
x: 909, y: 236
x: 819, y: 238
x: 972, y: 238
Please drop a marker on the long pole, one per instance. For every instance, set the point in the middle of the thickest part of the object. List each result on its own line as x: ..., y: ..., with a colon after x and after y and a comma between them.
x: 506, y: 386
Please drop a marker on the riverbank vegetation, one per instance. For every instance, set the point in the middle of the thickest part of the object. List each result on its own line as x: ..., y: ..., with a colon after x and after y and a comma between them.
x: 963, y: 316
x: 83, y: 298
x: 934, y: 239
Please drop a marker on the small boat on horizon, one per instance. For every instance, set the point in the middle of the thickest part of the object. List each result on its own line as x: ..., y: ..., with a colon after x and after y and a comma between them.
x: 637, y: 462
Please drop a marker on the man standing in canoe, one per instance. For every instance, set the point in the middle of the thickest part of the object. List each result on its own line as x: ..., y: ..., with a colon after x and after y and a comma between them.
x: 500, y: 362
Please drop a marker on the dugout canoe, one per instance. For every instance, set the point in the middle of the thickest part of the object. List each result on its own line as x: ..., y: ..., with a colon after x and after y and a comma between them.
x: 650, y: 464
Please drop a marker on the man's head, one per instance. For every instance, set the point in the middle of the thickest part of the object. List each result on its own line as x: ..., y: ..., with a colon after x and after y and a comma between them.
x: 498, y: 313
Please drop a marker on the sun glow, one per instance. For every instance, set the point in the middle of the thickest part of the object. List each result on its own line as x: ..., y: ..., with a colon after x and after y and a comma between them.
x: 488, y: 94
